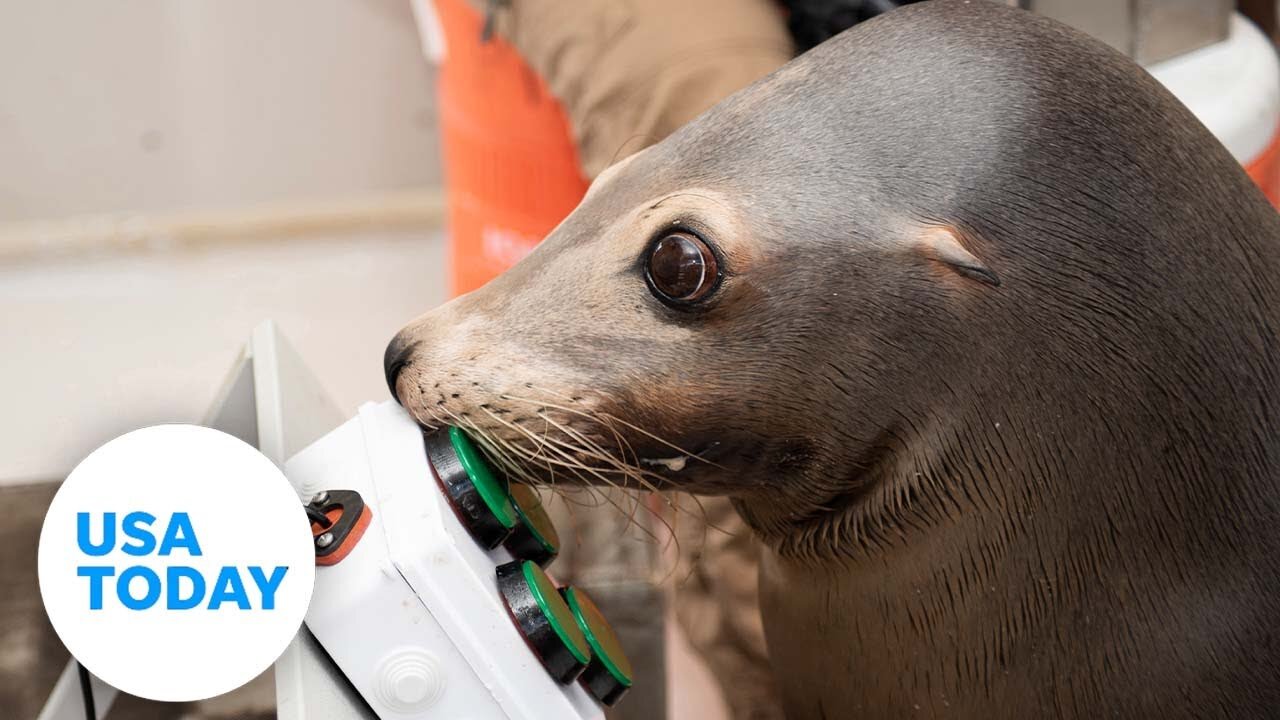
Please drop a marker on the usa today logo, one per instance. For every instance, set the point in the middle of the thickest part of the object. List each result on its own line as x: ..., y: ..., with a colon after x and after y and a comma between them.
x: 179, y: 536
x: 176, y: 563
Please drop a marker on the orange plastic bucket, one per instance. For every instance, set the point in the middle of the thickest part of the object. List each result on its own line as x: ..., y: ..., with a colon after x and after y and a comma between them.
x: 510, y: 164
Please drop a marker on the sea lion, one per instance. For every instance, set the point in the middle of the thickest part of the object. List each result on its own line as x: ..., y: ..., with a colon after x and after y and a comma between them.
x: 977, y: 326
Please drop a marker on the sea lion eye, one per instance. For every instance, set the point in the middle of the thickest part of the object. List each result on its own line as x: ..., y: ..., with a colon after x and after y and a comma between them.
x: 681, y: 268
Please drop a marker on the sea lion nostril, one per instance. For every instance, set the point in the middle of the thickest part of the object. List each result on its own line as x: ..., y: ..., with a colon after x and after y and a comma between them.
x: 394, y: 359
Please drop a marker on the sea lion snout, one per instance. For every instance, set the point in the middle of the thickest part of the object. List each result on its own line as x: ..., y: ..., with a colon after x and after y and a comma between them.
x: 540, y: 420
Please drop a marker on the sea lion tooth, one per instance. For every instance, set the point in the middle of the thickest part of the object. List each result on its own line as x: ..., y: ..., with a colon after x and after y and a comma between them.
x: 674, y: 464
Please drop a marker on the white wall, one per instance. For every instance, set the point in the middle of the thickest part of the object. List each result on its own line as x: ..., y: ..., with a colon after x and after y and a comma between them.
x: 144, y: 105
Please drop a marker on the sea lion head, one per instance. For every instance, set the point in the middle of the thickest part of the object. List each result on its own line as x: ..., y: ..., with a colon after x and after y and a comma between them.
x: 777, y: 298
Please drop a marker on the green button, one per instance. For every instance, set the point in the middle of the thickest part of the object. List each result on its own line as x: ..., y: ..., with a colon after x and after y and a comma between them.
x: 493, y: 491
x: 600, y: 636
x: 556, y: 611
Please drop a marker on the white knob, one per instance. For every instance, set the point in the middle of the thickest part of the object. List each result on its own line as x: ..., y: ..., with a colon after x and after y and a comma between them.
x: 409, y: 680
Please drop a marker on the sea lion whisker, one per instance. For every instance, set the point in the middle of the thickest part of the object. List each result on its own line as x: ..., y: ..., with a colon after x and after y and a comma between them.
x: 635, y: 463
x: 540, y: 444
x: 591, y: 449
x: 608, y: 417
x: 567, y: 461
x: 570, y: 495
x: 605, y: 418
x: 577, y: 468
x: 603, y: 494
x: 634, y: 472
x: 602, y: 498
x: 499, y: 454
x: 624, y: 447
x: 496, y: 453
x: 630, y: 467
x: 492, y: 448
x: 702, y: 510
x: 596, y: 450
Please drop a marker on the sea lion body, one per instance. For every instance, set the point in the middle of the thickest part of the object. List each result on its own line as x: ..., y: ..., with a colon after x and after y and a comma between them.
x: 990, y: 365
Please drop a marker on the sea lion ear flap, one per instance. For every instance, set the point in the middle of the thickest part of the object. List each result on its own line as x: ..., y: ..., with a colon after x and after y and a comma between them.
x: 942, y: 244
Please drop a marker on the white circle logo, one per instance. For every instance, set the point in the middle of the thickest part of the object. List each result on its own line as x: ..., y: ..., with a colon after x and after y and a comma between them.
x: 176, y: 563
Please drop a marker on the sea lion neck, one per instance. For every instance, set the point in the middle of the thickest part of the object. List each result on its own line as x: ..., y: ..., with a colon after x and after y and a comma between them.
x: 996, y: 457
x: 914, y: 478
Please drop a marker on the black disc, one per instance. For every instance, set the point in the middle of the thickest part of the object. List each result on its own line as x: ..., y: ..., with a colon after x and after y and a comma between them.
x: 544, y: 619
x: 477, y: 496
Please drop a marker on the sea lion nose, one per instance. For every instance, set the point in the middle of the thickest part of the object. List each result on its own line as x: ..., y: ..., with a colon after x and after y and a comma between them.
x: 395, y: 358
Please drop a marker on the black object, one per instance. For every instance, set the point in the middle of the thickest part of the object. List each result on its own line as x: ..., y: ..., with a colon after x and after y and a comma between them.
x: 478, y: 497
x: 351, y: 506
x: 544, y: 619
